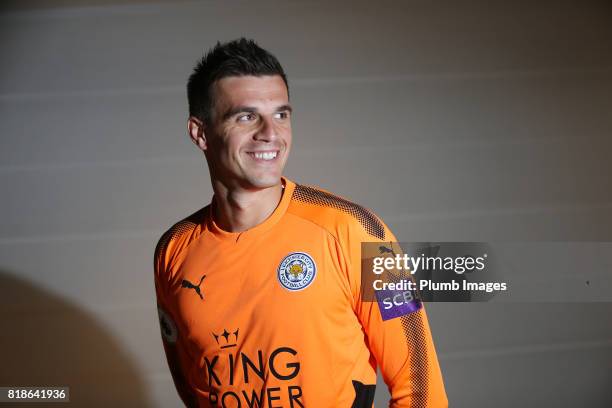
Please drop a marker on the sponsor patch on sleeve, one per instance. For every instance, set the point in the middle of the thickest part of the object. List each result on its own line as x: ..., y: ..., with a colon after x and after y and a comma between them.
x: 397, y: 303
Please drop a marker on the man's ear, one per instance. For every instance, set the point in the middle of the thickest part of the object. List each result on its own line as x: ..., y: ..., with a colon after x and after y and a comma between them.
x: 195, y: 128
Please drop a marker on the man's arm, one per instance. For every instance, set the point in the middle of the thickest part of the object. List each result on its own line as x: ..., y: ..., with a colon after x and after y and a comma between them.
x: 171, y: 338
x: 403, y: 345
x: 171, y: 348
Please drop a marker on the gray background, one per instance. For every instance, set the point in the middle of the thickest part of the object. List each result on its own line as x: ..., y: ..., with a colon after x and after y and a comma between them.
x: 453, y: 120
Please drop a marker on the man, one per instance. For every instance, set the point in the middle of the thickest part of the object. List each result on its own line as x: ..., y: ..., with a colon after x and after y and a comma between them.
x: 259, y: 292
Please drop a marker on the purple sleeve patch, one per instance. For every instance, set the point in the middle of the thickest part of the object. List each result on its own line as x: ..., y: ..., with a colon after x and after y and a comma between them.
x: 396, y: 303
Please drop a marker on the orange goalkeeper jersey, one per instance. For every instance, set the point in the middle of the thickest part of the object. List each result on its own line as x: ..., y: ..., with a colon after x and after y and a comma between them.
x: 273, y: 316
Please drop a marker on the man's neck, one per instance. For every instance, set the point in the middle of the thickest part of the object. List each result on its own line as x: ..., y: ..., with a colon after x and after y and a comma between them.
x: 239, y: 210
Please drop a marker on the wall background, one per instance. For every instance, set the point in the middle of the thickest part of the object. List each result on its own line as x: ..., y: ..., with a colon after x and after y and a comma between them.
x: 474, y: 121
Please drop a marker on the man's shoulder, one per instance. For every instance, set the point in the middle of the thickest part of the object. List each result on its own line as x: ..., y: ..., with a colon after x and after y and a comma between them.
x: 333, y: 212
x: 181, y: 232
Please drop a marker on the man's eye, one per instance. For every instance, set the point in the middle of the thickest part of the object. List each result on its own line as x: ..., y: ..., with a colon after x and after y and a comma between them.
x: 246, y: 118
x: 282, y: 115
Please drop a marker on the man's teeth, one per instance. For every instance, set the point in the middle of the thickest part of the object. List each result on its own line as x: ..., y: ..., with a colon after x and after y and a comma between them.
x: 265, y: 155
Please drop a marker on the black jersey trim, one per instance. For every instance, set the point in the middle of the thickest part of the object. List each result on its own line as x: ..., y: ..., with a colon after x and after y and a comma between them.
x: 414, y: 331
x: 364, y: 395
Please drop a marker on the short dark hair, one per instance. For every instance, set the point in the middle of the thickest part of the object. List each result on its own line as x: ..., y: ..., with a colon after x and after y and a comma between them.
x: 235, y: 58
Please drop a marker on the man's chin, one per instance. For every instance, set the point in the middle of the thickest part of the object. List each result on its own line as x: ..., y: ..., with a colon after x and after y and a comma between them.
x: 263, y: 182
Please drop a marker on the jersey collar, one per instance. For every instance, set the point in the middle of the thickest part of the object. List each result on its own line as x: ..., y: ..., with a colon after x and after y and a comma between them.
x: 273, y: 219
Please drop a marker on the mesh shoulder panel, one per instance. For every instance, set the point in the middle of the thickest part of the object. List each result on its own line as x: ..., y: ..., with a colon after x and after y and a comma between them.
x: 316, y: 197
x: 182, y: 227
x: 414, y: 330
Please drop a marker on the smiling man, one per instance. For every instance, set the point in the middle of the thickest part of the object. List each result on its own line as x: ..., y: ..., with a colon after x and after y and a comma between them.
x: 259, y: 292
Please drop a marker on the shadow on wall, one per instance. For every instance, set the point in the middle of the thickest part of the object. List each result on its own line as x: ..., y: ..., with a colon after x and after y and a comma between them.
x: 47, y: 341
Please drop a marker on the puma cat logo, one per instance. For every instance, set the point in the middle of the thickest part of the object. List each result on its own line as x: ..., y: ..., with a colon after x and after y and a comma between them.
x: 189, y: 285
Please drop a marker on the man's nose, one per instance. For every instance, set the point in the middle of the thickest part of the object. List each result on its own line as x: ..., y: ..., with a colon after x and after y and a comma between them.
x: 267, y: 130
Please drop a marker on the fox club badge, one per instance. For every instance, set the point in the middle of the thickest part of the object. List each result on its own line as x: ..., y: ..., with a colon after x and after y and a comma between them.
x: 296, y: 271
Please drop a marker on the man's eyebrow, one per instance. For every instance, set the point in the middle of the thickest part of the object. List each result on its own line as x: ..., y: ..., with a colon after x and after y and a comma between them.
x: 284, y: 108
x: 238, y: 109
x: 250, y: 109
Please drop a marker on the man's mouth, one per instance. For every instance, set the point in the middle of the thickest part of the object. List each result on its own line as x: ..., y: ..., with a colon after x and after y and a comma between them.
x: 264, y: 155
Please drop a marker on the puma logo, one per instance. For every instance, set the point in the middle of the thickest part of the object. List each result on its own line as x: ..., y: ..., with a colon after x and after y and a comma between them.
x: 189, y: 285
x: 384, y: 250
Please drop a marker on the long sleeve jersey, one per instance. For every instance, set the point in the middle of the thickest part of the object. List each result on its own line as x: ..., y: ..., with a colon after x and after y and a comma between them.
x: 274, y: 316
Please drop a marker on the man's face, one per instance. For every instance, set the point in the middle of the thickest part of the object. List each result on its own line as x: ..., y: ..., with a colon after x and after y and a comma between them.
x: 249, y: 137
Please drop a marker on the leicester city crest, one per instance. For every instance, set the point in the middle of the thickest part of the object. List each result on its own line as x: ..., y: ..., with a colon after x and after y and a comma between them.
x: 296, y: 271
